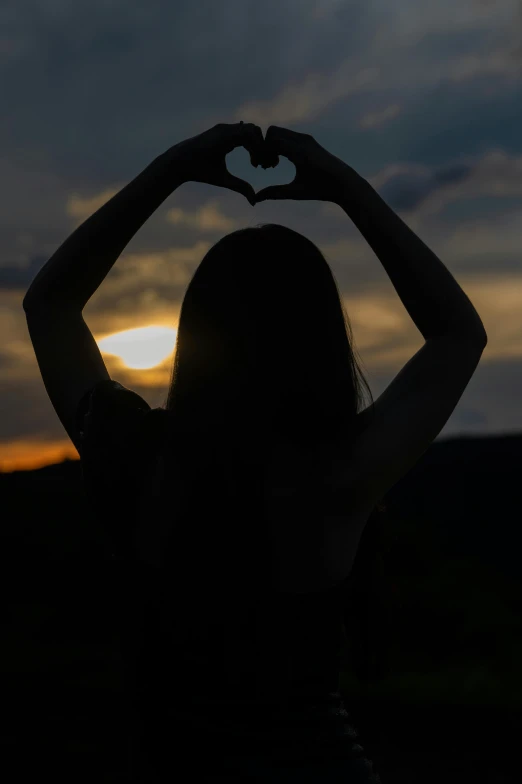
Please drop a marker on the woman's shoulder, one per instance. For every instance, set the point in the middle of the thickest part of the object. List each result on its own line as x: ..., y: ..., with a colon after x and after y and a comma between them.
x: 109, y: 410
x: 110, y: 395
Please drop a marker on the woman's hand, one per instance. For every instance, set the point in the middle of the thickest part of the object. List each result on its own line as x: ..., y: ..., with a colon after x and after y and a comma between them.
x: 319, y: 174
x: 202, y: 158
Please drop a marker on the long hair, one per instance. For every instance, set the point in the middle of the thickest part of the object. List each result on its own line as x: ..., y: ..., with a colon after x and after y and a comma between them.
x: 264, y: 347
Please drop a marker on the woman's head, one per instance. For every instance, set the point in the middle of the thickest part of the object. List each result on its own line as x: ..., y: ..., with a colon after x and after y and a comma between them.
x: 264, y: 344
x: 264, y: 339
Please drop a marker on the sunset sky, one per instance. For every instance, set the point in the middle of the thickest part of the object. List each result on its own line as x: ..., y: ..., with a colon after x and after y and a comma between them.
x: 421, y: 98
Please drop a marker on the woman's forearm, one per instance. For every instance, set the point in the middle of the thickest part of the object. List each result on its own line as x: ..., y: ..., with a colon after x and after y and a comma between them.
x: 430, y: 294
x: 74, y: 272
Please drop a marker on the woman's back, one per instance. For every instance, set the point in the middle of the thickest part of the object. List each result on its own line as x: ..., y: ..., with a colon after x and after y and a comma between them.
x: 207, y: 659
x: 317, y: 514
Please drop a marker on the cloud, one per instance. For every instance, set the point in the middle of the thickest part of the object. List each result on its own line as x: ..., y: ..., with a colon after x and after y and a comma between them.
x: 489, y: 244
x: 17, y: 359
x: 500, y: 63
x: 408, y: 186
x: 374, y: 119
x: 82, y: 207
x: 447, y: 42
x: 326, y: 8
x: 148, y: 288
x: 20, y: 277
x: 140, y: 78
x: 470, y: 416
x: 484, y: 257
x: 305, y: 100
x: 208, y: 218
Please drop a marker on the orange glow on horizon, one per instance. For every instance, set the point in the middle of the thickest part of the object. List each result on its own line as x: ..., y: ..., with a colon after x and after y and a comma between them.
x: 28, y: 455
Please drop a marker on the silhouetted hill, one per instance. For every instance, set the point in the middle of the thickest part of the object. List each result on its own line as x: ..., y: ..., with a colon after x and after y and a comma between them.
x: 467, y: 487
x: 449, y: 638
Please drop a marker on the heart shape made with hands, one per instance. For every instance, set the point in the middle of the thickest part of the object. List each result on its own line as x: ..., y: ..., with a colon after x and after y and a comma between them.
x: 238, y: 160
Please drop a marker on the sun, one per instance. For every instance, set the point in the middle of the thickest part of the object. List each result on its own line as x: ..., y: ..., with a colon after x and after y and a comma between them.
x: 142, y: 348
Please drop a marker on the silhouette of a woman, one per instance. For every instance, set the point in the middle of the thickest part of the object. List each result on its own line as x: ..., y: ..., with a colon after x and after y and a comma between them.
x: 241, y: 503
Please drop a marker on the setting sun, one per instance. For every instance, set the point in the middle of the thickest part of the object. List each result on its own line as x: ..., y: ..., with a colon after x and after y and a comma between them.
x: 142, y: 348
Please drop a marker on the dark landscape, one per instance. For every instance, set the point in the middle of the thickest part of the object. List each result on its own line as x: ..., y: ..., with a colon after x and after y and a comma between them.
x: 443, y: 703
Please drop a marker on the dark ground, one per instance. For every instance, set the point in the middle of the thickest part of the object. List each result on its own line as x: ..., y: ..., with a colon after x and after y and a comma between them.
x: 80, y: 736
x: 448, y: 708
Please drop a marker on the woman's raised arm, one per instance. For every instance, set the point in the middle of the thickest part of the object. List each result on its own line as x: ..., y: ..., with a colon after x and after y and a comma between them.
x: 429, y: 292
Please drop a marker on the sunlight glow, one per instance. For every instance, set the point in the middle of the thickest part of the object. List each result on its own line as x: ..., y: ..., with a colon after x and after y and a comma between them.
x: 142, y: 348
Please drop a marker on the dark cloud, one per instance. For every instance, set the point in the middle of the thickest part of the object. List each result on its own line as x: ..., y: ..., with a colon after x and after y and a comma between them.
x: 105, y: 88
x: 452, y: 173
x: 407, y: 190
x: 488, y: 404
x: 468, y: 118
x: 470, y: 417
x: 13, y: 278
x: 27, y: 410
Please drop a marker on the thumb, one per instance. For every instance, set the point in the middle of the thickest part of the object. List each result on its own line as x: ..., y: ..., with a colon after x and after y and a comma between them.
x: 240, y: 186
x: 275, y: 192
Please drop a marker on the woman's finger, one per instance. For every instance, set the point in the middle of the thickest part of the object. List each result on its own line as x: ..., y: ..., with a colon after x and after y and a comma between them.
x: 245, y: 135
x: 283, y: 141
x: 252, y: 140
x: 239, y: 186
x: 276, y: 192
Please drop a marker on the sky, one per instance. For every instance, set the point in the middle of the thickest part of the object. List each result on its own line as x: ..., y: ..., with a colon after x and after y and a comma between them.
x: 422, y: 99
